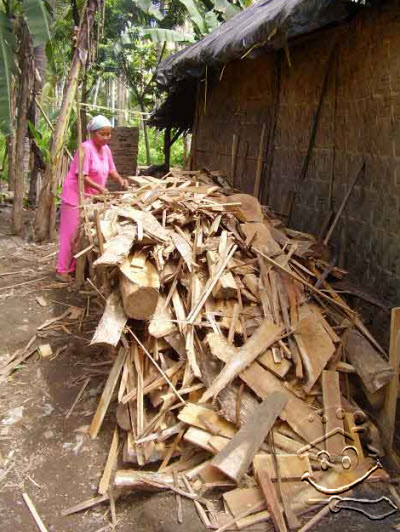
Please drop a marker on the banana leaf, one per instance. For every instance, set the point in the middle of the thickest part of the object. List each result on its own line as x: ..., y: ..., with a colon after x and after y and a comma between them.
x: 7, y: 68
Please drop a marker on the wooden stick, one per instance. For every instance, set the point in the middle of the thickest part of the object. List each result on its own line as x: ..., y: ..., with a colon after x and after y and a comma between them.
x: 84, y: 251
x: 210, y: 285
x: 294, y: 276
x: 391, y: 393
x: 111, y: 459
x: 256, y: 507
x: 77, y: 398
x: 21, y: 284
x: 98, y: 230
x: 235, y: 144
x: 85, y: 505
x: 320, y: 515
x: 343, y: 205
x: 181, y: 399
x: 35, y: 515
x: 106, y: 396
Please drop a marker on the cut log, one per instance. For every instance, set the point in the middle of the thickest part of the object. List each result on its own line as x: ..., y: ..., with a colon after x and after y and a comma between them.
x: 266, y: 334
x: 139, y: 282
x: 112, y: 323
x: 118, y: 248
x: 373, y: 370
x: 235, y: 459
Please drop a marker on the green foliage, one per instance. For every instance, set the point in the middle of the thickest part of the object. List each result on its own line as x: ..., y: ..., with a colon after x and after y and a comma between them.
x: 156, y: 140
x: 7, y: 68
x: 37, y: 15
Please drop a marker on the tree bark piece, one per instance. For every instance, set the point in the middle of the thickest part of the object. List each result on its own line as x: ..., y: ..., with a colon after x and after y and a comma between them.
x: 266, y: 334
x: 235, y: 459
x: 106, y: 396
x: 112, y: 323
x: 139, y: 283
x: 373, y: 370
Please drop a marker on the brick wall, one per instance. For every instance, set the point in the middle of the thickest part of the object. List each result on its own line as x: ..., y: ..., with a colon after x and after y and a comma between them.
x: 360, y: 120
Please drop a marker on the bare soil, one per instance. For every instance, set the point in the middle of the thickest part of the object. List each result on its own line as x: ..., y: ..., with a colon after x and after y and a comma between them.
x: 49, y: 456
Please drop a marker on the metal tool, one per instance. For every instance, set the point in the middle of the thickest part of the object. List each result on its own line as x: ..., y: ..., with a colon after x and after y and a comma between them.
x: 342, y: 489
x: 335, y: 505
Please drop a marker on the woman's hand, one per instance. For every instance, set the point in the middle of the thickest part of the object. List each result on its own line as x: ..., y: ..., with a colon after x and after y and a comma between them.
x: 103, y: 190
x: 124, y: 183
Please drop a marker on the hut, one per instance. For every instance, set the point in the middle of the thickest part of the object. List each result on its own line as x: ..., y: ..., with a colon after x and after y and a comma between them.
x: 305, y: 96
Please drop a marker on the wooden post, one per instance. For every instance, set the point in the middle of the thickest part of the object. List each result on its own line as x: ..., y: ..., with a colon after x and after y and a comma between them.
x: 235, y: 145
x: 260, y: 163
x: 389, y: 409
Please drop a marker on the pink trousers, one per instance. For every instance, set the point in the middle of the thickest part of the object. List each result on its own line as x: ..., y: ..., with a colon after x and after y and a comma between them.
x: 69, y: 223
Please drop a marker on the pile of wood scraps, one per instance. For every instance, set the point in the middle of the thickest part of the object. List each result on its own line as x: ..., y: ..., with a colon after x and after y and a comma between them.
x: 233, y: 355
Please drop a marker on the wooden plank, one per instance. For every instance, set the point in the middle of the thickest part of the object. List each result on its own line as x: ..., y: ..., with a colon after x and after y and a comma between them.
x: 279, y: 369
x: 300, y: 416
x: 335, y: 443
x: 271, y: 498
x: 291, y: 466
x: 250, y: 209
x: 260, y: 236
x: 264, y: 336
x: 235, y: 459
x: 112, y: 322
x: 314, y: 343
x: 161, y: 323
x: 206, y: 419
x: 392, y: 390
x: 107, y: 393
x: 205, y: 440
x: 110, y: 463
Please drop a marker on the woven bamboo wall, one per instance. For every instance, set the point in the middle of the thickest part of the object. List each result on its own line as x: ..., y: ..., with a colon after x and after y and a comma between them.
x: 360, y: 120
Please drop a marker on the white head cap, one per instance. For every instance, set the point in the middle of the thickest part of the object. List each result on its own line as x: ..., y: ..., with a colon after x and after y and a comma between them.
x: 98, y: 122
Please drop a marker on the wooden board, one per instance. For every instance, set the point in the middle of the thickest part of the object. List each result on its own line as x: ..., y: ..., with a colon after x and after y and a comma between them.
x: 236, y: 457
x: 279, y: 369
x: 291, y: 466
x: 206, y: 419
x: 260, y: 236
x: 314, y: 343
x: 264, y: 336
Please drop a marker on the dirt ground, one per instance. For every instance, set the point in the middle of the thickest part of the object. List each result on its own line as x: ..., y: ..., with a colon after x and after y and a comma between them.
x: 43, y: 452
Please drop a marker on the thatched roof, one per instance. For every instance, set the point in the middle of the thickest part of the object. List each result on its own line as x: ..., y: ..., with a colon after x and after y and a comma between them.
x: 266, y: 24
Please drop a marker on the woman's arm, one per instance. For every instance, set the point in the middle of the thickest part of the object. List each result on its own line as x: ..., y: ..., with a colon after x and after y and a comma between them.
x: 90, y: 183
x: 115, y: 175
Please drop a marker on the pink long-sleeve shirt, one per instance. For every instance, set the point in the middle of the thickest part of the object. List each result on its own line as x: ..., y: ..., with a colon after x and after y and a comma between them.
x: 97, y: 164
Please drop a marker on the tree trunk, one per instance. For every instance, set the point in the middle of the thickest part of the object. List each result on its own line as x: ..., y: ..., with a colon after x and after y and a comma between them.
x: 26, y: 64
x: 46, y: 212
x: 167, y: 148
x: 11, y: 162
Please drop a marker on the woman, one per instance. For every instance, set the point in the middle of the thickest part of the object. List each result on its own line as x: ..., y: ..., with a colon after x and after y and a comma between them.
x: 97, y: 165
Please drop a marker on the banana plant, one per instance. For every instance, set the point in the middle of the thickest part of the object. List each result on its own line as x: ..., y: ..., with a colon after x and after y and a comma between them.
x: 36, y: 14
